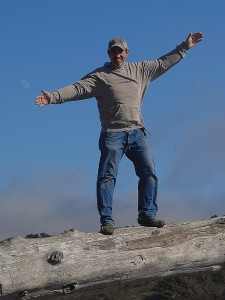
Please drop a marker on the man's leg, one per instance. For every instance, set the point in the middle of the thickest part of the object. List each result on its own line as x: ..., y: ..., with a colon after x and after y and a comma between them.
x: 139, y: 153
x: 112, y: 146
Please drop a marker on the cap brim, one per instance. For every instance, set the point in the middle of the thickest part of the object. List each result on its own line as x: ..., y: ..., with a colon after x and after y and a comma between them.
x: 117, y: 45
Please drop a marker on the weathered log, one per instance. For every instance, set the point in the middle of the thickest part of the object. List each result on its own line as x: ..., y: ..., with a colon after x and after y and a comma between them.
x: 74, y: 259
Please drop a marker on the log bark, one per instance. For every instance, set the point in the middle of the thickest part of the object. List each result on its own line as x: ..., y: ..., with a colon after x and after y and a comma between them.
x: 73, y: 260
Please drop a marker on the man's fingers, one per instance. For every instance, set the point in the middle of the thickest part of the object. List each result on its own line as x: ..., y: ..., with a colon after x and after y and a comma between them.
x: 198, y: 36
x: 41, y: 100
x: 194, y: 38
x: 44, y: 99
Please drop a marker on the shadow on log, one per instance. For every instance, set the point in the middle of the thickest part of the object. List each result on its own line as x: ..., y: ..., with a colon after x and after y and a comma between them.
x: 74, y: 260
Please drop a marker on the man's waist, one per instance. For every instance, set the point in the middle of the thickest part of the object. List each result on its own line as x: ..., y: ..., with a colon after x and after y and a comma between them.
x: 124, y: 128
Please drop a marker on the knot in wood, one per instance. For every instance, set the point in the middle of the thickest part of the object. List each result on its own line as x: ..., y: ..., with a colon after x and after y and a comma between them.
x: 55, y: 257
x: 22, y: 294
x: 68, y: 288
x: 156, y: 232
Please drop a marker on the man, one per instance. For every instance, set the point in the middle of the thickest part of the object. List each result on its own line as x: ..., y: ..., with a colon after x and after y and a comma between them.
x: 119, y: 88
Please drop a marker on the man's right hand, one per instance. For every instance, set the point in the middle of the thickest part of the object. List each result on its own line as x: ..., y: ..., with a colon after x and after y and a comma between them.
x: 43, y: 100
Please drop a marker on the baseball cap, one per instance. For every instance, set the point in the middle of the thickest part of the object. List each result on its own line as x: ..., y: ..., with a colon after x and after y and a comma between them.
x: 117, y: 42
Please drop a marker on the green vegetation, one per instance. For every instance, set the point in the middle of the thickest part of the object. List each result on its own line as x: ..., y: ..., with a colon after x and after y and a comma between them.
x: 37, y: 235
x: 206, y: 285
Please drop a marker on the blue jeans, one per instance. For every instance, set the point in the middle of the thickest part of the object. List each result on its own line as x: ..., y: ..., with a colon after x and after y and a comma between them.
x: 134, y: 144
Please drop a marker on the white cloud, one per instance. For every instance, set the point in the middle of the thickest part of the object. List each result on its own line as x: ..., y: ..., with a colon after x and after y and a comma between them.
x: 50, y: 202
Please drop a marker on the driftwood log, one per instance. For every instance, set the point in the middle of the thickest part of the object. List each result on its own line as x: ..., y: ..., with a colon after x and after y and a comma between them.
x: 73, y: 260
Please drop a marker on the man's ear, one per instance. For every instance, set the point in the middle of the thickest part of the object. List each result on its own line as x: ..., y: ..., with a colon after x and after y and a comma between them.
x: 108, y: 53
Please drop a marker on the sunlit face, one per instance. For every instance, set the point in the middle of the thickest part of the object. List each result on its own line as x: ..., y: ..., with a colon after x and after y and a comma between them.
x: 118, y: 56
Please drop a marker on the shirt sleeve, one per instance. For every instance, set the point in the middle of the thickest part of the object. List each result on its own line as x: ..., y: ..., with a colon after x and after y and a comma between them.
x: 164, y: 63
x: 83, y: 89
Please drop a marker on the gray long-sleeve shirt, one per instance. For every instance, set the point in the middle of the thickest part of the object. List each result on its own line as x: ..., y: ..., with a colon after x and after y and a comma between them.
x: 119, y: 92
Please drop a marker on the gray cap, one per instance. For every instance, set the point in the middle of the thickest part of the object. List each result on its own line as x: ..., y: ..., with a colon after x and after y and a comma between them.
x: 117, y: 42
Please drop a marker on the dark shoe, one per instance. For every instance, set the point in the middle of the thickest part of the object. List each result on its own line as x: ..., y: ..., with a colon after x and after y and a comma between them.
x: 152, y: 223
x: 107, y: 229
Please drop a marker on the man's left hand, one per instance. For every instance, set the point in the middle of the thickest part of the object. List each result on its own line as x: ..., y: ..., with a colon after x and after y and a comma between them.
x: 193, y: 39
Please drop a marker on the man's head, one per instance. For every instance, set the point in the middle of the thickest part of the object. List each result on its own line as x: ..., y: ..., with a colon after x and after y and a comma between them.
x: 117, y: 42
x: 117, y: 51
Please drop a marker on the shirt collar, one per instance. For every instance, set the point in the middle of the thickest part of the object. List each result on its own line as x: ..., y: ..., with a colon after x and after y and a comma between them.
x: 110, y: 65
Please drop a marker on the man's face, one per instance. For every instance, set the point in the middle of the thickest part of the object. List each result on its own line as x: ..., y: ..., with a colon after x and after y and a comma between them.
x: 118, y: 57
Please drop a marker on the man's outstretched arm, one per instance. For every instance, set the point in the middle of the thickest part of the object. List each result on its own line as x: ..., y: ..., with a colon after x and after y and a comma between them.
x: 85, y: 88
x: 165, y: 62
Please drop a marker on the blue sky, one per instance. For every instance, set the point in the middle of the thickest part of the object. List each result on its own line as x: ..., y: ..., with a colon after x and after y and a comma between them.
x: 49, y: 156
